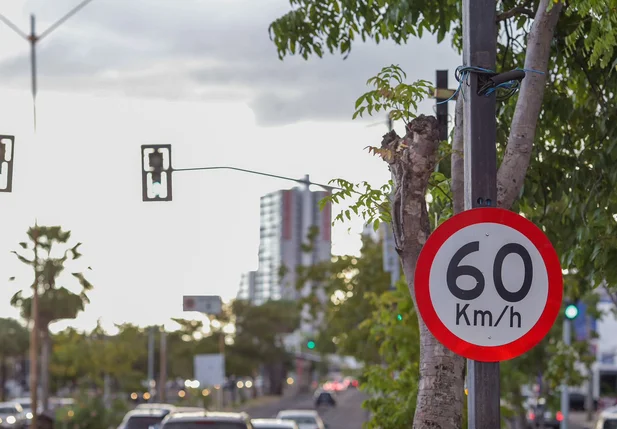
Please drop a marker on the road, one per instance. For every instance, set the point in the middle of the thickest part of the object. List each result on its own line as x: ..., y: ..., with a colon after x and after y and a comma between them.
x: 348, y: 413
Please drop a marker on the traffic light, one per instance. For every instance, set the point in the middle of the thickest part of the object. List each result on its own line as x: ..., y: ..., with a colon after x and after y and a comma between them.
x: 399, y: 317
x: 310, y: 344
x: 571, y: 311
x: 7, y: 149
x: 156, y: 172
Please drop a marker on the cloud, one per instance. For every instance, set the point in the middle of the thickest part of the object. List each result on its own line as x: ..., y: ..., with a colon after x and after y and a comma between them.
x: 208, y: 50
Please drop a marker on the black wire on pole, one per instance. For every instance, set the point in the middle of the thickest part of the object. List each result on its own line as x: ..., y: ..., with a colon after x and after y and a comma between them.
x: 276, y: 176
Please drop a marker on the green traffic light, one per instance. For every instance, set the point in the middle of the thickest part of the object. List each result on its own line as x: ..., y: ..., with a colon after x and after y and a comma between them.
x: 310, y: 345
x: 399, y: 317
x: 571, y: 311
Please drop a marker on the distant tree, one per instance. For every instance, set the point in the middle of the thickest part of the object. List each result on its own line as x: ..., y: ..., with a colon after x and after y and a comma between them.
x: 48, y: 253
x: 13, y: 344
x: 259, y: 336
x: 346, y: 281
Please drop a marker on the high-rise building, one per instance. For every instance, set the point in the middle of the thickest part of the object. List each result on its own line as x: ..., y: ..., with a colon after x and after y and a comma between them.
x: 287, y: 217
x: 247, y: 285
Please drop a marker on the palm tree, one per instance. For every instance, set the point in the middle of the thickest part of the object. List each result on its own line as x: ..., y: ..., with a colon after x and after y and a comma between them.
x: 13, y: 344
x: 48, y: 253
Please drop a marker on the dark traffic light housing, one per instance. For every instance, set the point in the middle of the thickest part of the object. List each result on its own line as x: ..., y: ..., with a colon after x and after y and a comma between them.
x: 7, y: 151
x: 156, y: 172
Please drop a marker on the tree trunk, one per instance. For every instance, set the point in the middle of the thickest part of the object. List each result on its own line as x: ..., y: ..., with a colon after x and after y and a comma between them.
x: 2, y: 377
x: 45, y: 357
x: 34, y: 361
x: 513, y: 169
x: 412, y: 160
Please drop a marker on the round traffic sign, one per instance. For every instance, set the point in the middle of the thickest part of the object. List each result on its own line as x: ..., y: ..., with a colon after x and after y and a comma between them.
x: 488, y: 284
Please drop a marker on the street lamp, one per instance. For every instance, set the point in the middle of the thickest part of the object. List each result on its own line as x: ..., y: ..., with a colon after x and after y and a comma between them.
x: 33, y: 38
x: 7, y: 150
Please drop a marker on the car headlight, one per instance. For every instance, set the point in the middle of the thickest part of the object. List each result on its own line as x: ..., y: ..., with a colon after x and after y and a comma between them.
x: 11, y: 419
x: 29, y: 416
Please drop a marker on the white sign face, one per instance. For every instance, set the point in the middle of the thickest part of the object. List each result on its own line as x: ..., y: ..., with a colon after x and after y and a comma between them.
x: 202, y: 303
x: 488, y: 284
x: 209, y: 369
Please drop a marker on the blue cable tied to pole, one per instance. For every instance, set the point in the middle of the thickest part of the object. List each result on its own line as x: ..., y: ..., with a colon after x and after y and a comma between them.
x: 504, y: 85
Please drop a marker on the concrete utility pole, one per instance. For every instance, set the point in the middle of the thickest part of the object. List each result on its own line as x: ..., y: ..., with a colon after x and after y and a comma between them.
x: 480, y: 50
x: 162, y: 387
x: 150, y: 359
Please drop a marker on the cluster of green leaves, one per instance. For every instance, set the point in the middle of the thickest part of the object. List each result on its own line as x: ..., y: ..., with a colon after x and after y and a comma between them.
x: 314, y: 26
x: 56, y: 303
x: 393, y: 95
x: 90, y: 412
x: 392, y: 384
x: 346, y: 281
x: 259, y: 337
x: 596, y: 28
x: 85, y: 357
x: 372, y: 204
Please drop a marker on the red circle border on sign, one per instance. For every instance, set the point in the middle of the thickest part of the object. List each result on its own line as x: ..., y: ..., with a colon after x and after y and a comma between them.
x: 422, y: 282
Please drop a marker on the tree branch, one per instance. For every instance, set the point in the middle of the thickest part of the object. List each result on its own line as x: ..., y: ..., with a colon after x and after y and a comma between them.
x: 511, y: 174
x: 518, y: 10
x: 610, y: 294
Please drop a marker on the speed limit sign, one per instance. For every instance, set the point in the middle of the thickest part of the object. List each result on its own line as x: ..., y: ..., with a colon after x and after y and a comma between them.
x: 488, y: 284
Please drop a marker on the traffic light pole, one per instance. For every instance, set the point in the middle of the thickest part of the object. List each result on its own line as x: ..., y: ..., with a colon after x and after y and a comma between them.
x: 156, y: 173
x: 565, y: 395
x: 244, y: 170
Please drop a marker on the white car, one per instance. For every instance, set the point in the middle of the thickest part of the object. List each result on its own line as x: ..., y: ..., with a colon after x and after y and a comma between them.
x: 607, y: 419
x: 12, y: 415
x: 273, y: 424
x: 305, y: 419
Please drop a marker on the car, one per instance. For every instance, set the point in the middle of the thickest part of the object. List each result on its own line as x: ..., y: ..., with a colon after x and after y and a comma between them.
x: 143, y: 418
x: 323, y: 397
x: 156, y: 406
x: 27, y: 409
x: 305, y: 419
x: 541, y: 414
x: 12, y: 415
x: 211, y: 420
x: 273, y: 424
x: 607, y: 419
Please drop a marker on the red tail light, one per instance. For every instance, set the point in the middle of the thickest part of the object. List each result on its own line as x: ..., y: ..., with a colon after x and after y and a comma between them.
x: 559, y: 416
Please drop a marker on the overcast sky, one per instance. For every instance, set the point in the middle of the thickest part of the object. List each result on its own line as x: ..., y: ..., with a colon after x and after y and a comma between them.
x: 203, y: 76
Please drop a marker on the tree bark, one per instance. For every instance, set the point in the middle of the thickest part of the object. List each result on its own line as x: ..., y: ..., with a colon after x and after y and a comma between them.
x: 34, y: 341
x: 458, y: 164
x: 2, y: 377
x: 511, y: 174
x: 412, y: 160
x: 45, y: 356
